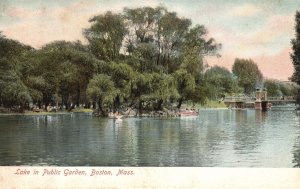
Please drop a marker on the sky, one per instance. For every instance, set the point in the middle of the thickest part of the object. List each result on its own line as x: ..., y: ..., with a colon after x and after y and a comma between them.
x: 260, y: 30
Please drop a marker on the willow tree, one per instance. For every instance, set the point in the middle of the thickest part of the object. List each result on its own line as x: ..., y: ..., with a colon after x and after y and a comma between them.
x: 140, y: 89
x: 122, y: 75
x: 163, y: 90
x: 296, y: 55
x: 185, y: 84
x: 101, y: 89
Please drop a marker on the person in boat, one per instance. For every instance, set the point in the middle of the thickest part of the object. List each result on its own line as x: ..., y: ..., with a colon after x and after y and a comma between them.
x: 118, y: 115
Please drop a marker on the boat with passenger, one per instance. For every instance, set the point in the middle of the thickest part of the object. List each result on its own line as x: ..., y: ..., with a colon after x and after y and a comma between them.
x: 116, y: 115
x: 188, y: 113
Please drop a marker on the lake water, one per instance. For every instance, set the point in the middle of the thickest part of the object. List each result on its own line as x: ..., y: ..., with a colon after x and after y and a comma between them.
x: 217, y: 138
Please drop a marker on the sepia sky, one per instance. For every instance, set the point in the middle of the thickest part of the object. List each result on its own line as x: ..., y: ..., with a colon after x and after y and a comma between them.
x: 256, y: 29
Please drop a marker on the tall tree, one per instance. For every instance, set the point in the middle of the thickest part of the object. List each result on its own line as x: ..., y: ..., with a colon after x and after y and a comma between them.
x: 248, y: 74
x: 296, y: 55
x: 142, y: 24
x: 105, y: 36
x: 171, y: 31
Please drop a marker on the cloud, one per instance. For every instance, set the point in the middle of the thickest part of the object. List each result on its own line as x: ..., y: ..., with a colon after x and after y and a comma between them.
x: 20, y: 13
x: 3, y: 7
x: 75, y: 10
x: 45, y: 25
x: 271, y: 38
x: 245, y: 10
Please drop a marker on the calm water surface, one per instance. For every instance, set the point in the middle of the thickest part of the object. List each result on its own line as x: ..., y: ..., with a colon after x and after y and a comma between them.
x: 217, y: 138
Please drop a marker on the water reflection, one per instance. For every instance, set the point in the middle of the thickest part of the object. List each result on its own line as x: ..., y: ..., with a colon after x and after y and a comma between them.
x: 225, y: 138
x: 296, y: 153
x: 296, y: 147
x: 248, y: 134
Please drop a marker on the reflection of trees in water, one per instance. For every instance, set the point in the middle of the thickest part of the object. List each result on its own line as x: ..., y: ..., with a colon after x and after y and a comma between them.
x: 202, y: 139
x: 190, y: 150
x: 34, y: 140
x: 157, y: 142
x: 174, y: 142
x: 112, y: 143
x: 215, y: 139
x: 296, y: 152
x: 124, y: 143
x: 63, y: 138
x: 248, y: 130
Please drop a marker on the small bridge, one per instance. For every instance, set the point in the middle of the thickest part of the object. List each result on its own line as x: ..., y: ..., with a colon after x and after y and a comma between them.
x: 260, y: 101
x: 285, y: 99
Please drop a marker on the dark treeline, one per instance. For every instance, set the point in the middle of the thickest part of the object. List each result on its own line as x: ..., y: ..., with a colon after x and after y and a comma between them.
x: 295, y: 56
x: 144, y: 58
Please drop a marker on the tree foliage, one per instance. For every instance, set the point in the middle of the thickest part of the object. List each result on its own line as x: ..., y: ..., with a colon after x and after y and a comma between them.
x: 221, y: 82
x: 102, y: 90
x: 278, y: 88
x: 13, y: 91
x: 105, y: 36
x: 295, y: 56
x: 248, y: 75
x: 146, y: 58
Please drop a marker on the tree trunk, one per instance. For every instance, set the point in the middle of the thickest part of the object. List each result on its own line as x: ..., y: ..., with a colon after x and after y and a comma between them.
x: 100, y: 105
x: 78, y: 95
x: 94, y: 105
x: 140, y: 107
x: 116, y: 103
x: 180, y: 103
x: 159, y: 105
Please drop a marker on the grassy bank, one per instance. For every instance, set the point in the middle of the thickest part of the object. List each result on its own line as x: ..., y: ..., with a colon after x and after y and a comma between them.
x: 214, y: 104
x: 82, y: 110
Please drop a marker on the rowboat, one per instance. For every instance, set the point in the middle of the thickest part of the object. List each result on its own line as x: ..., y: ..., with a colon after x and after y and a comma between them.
x: 115, y: 116
x: 188, y: 113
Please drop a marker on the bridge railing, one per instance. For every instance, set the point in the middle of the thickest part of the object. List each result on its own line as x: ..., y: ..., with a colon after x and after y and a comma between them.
x: 283, y: 98
x: 252, y: 99
x: 237, y: 99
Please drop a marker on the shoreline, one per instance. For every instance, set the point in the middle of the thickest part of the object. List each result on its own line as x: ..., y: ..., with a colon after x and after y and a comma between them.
x: 30, y: 113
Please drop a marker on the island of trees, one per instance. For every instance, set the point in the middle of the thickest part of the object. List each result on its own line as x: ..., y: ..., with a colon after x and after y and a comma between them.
x: 146, y: 59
